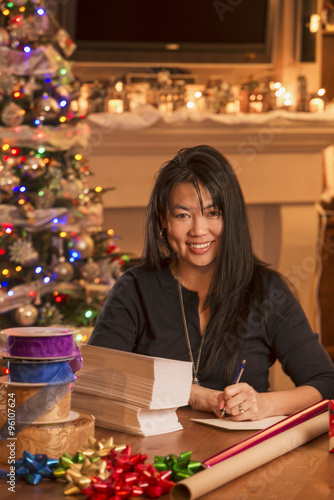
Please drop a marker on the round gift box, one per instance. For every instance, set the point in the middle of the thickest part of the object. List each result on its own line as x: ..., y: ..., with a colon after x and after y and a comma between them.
x: 19, y: 393
x: 51, y: 439
x: 37, y: 402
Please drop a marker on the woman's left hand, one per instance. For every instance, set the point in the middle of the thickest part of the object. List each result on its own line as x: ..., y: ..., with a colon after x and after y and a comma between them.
x: 204, y: 399
x: 242, y: 402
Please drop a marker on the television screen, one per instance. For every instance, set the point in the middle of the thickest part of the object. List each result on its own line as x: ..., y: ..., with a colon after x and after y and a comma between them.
x: 188, y: 31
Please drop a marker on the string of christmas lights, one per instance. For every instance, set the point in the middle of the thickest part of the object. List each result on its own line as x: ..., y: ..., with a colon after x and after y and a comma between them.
x: 57, y: 264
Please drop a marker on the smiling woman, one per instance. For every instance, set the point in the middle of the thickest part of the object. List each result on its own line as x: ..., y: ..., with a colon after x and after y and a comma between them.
x: 194, y: 227
x: 202, y: 295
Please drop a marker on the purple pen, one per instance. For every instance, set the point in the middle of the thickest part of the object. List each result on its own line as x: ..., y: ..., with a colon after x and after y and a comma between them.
x: 237, y: 378
x: 239, y: 372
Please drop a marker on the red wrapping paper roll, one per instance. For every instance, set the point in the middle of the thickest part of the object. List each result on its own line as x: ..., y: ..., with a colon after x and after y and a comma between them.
x: 250, y: 454
x: 283, y: 425
x: 331, y: 426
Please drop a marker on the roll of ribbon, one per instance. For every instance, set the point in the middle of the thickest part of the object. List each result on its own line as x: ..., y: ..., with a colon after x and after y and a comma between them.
x: 33, y: 408
x: 40, y: 347
x: 51, y: 439
x: 58, y: 413
x: 35, y: 373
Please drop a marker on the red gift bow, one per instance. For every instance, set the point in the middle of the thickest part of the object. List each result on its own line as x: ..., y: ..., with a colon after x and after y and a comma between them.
x: 130, y: 476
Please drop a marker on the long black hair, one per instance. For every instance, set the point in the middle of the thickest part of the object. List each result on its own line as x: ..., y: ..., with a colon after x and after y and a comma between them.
x: 236, y: 281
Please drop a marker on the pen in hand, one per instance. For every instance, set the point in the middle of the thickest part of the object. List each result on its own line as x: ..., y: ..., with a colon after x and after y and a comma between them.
x: 237, y: 379
x: 239, y: 372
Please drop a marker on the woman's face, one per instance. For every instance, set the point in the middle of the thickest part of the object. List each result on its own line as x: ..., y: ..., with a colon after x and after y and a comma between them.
x: 193, y: 235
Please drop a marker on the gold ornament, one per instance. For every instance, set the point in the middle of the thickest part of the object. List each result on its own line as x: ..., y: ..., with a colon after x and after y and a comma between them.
x: 26, y: 315
x: 12, y: 115
x: 63, y: 271
x: 47, y: 108
x: 83, y: 244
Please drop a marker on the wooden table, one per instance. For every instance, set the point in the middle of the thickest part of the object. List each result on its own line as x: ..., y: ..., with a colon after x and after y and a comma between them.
x: 306, y: 473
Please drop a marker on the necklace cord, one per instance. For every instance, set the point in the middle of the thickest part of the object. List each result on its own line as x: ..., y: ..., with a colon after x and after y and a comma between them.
x: 186, y: 332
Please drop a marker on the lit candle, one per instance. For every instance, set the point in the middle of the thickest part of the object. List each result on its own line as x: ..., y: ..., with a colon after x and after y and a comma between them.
x: 115, y: 106
x: 194, y: 91
x: 191, y: 105
x: 316, y: 105
x: 287, y: 100
x: 255, y: 106
x: 83, y: 105
x: 194, y: 96
x: 166, y: 107
x: 232, y: 107
x: 74, y: 106
x: 280, y: 95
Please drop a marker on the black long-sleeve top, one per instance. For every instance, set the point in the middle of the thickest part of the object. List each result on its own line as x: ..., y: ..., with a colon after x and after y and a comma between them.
x: 142, y: 314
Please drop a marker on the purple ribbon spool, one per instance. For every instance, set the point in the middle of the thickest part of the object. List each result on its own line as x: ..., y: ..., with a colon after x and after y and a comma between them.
x: 40, y: 347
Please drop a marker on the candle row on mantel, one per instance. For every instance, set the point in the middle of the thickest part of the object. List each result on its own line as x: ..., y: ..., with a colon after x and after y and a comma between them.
x: 316, y: 105
x: 217, y: 96
x: 195, y: 101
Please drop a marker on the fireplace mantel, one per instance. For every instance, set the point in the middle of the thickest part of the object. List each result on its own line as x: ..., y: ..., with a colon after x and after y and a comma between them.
x: 273, y: 134
x: 278, y: 158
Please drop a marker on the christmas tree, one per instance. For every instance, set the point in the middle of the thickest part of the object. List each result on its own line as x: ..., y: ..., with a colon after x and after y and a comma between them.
x: 57, y: 265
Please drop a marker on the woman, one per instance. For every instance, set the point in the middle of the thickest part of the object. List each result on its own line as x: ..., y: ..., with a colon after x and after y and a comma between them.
x: 202, y: 295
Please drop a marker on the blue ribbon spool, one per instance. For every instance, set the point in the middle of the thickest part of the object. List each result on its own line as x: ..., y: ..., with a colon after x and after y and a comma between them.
x: 40, y: 373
